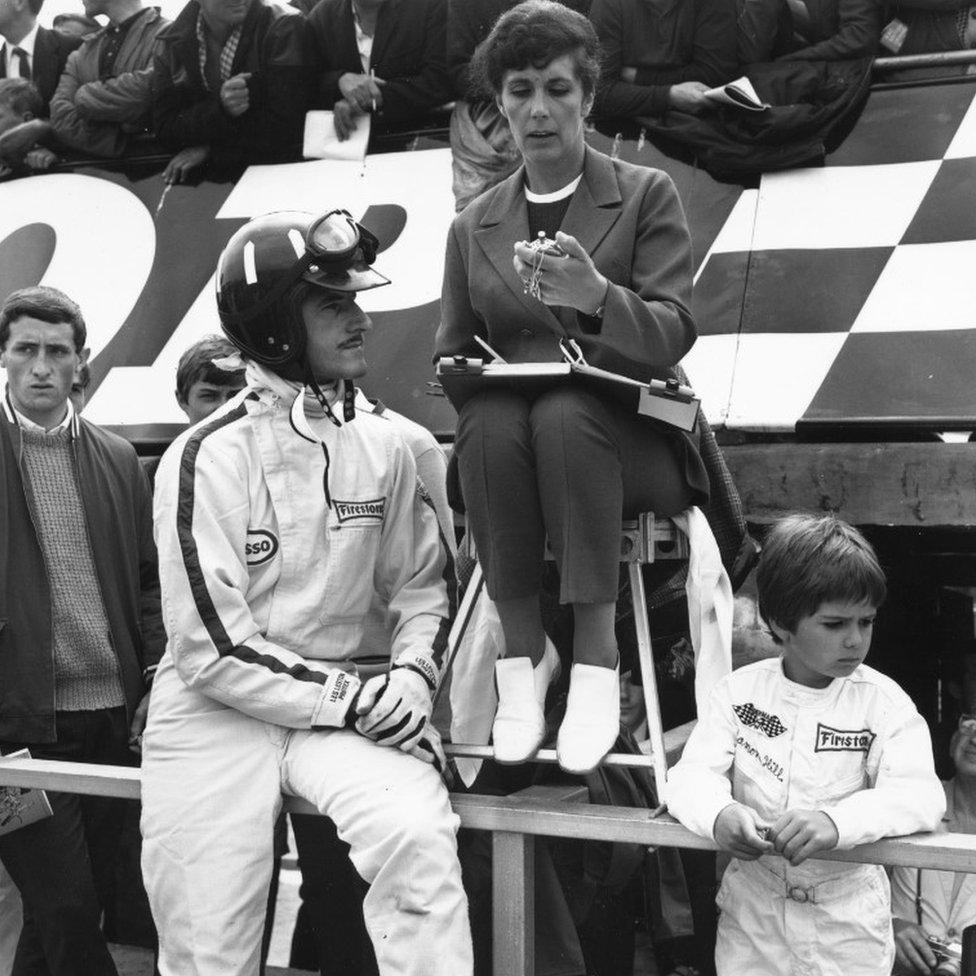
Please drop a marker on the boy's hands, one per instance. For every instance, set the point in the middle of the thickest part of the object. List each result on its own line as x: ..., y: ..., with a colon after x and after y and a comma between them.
x: 799, y: 834
x: 912, y: 952
x: 737, y: 832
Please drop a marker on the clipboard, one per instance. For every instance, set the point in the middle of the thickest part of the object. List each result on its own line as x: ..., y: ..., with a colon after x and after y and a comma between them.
x: 667, y: 401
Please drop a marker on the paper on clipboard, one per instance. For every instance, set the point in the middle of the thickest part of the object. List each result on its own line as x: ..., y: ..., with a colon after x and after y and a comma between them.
x: 321, y: 142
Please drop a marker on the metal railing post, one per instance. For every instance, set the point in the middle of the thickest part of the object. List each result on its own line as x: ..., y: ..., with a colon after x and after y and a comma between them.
x: 513, y: 903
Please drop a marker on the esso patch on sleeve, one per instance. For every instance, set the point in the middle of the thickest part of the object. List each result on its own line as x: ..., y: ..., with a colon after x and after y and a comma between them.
x: 260, y: 547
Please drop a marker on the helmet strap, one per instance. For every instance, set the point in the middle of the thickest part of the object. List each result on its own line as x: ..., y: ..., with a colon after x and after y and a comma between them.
x: 349, y: 401
x: 311, y: 383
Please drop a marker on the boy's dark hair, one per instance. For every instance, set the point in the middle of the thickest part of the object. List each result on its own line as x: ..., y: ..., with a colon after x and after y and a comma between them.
x: 808, y: 560
x: 197, y: 364
x: 534, y: 34
x: 46, y: 304
x: 21, y: 96
x: 35, y: 6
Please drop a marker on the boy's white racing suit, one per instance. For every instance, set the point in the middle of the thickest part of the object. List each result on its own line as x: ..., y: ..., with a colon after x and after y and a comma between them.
x: 857, y: 750
x: 274, y: 532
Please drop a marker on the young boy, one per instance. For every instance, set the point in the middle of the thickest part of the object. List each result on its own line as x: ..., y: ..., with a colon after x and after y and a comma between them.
x: 806, y: 753
x: 201, y: 386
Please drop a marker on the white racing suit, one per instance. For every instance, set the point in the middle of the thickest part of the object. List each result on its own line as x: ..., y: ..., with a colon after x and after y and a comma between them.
x: 857, y: 750
x: 274, y: 533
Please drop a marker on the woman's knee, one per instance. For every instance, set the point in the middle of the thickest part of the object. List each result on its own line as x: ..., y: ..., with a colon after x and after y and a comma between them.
x: 491, y: 410
x: 571, y: 427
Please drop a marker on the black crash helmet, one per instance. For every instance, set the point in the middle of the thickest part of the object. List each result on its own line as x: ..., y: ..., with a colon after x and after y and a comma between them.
x: 270, y: 254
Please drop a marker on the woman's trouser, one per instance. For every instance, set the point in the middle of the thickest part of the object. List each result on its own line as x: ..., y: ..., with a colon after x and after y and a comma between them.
x: 567, y: 465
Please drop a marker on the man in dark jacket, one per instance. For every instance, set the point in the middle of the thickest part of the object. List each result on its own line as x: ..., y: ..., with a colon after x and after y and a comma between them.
x: 104, y: 94
x: 808, y: 30
x: 79, y: 600
x: 387, y: 58
x: 230, y: 83
x: 29, y: 50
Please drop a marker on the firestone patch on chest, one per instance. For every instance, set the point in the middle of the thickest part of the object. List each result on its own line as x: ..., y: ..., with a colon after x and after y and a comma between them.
x: 843, y: 740
x: 367, y: 510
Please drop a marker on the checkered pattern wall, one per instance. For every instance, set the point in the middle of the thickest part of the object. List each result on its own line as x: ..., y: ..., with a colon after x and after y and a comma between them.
x: 845, y: 295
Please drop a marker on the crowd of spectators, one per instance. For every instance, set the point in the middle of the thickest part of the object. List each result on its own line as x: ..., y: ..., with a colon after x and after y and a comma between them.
x: 228, y: 82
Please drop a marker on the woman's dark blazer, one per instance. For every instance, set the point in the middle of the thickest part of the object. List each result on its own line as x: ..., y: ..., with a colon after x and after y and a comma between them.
x: 630, y: 221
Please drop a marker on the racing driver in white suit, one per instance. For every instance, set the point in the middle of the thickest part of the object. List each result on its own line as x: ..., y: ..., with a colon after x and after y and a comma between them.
x: 277, y: 520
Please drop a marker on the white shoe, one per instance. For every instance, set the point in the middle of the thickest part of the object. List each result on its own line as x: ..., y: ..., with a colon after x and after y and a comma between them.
x: 592, y: 721
x: 520, y: 722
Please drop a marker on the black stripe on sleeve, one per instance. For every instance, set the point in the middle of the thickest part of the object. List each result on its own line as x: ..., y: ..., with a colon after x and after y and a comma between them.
x: 194, y: 572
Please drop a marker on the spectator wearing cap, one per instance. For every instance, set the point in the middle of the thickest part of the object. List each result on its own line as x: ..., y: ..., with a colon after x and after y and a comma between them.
x: 79, y: 595
x: 105, y: 93
x: 385, y: 58
x: 31, y: 51
x: 662, y: 54
x: 230, y: 86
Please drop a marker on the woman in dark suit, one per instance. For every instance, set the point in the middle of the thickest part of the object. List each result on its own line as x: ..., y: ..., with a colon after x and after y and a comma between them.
x: 566, y: 463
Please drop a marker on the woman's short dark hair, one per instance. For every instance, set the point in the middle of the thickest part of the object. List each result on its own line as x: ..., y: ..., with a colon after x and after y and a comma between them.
x: 44, y: 303
x: 534, y: 34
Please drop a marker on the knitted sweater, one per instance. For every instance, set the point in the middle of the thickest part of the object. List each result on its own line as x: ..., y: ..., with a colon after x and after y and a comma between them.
x: 85, y: 667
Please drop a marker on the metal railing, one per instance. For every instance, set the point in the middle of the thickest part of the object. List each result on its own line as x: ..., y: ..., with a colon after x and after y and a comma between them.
x: 514, y: 822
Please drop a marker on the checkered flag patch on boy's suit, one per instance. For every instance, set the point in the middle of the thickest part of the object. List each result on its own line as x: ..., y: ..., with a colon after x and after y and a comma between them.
x: 756, y: 718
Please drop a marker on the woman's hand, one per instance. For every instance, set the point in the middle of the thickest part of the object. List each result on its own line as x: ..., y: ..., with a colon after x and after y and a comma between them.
x: 912, y: 953
x: 572, y: 281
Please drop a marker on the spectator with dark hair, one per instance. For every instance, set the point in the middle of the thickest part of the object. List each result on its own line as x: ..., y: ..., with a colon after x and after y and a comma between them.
x: 808, y: 30
x: 77, y: 25
x: 530, y: 461
x: 20, y: 129
x: 31, y: 51
x: 20, y: 102
x: 201, y: 384
x: 660, y: 55
x: 483, y: 151
x: 385, y: 58
x: 79, y: 594
x: 105, y: 93
x: 230, y: 86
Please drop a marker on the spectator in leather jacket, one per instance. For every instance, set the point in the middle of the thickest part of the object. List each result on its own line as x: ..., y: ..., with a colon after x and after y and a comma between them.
x: 808, y: 30
x: 230, y: 86
x: 104, y: 94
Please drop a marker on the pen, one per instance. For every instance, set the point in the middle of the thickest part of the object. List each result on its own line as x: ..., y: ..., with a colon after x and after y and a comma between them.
x: 162, y: 199
x: 372, y: 75
x: 484, y: 345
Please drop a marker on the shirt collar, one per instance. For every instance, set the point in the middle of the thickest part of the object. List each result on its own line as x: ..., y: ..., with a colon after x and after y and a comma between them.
x: 25, y: 423
x: 26, y: 44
